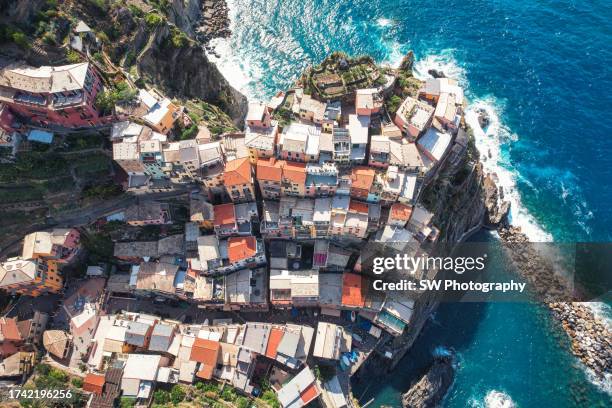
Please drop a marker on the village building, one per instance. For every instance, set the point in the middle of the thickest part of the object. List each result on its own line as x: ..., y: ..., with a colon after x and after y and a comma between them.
x: 300, y: 142
x: 238, y: 180
x: 331, y: 341
x: 435, y: 144
x: 269, y: 176
x: 362, y: 181
x: 413, y: 117
x: 311, y: 110
x: 293, y: 181
x: 261, y: 133
x: 380, y: 149
x: 300, y: 391
x: 37, y: 270
x: 321, y: 179
x: 399, y: 214
x: 148, y: 213
x: 294, y: 288
x: 62, y: 96
x: 368, y: 102
x: 161, y: 116
x: 358, y: 127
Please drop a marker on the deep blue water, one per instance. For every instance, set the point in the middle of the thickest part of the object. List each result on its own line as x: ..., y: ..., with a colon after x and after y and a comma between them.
x: 542, y: 69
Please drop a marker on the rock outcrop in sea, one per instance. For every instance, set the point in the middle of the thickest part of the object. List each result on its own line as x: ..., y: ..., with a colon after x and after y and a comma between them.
x: 431, y: 389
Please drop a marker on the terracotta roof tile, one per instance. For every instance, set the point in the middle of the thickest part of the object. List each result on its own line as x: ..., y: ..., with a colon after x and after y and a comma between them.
x: 309, y: 393
x: 9, y: 330
x: 358, y: 207
x: 276, y: 335
x: 401, y: 211
x: 295, y: 172
x: 94, y: 383
x: 362, y: 178
x: 224, y: 214
x: 239, y: 248
x: 269, y: 170
x: 237, y: 172
x: 206, y: 352
x: 352, y: 290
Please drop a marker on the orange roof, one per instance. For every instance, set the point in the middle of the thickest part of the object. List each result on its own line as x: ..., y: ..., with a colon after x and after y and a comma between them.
x: 93, y: 383
x: 237, y: 172
x: 239, y: 248
x: 295, y: 172
x: 224, y: 214
x: 358, y: 206
x: 9, y: 329
x: 401, y: 211
x: 269, y: 170
x: 352, y: 290
x: 310, y: 393
x: 206, y: 352
x: 362, y: 178
x: 276, y: 335
x: 206, y: 372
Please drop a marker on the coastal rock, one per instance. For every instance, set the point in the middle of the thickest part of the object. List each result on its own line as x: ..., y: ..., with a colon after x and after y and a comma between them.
x: 430, y: 390
x: 484, y: 120
x: 497, y: 209
x: 436, y: 73
x: 407, y: 62
x: 186, y: 72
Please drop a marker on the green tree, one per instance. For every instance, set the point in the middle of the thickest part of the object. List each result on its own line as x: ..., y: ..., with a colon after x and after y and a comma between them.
x: 177, y: 394
x: 161, y: 397
x: 77, y: 382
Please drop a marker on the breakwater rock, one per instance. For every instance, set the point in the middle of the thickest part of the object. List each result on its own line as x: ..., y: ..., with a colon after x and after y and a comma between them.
x: 431, y: 389
x: 591, y: 339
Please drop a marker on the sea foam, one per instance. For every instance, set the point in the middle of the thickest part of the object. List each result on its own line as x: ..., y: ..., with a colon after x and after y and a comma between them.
x: 489, y: 141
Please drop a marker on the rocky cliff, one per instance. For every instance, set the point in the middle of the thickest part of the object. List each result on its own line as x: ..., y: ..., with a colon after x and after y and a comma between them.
x: 462, y: 197
x: 186, y: 72
x: 430, y: 390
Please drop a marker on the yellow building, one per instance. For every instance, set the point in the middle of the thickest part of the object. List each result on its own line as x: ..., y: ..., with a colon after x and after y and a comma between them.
x: 37, y: 270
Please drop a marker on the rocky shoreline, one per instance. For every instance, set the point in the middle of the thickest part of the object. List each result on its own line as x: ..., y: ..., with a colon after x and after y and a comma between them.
x: 591, y: 339
x: 214, y: 23
x: 431, y: 389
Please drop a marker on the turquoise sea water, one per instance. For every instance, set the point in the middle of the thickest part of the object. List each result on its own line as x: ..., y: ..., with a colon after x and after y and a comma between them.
x: 542, y: 71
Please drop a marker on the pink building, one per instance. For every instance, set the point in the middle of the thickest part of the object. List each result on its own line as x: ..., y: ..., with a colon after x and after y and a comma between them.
x: 61, y: 96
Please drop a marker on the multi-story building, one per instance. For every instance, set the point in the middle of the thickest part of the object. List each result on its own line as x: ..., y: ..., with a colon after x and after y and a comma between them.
x: 269, y: 176
x: 311, y: 110
x: 151, y: 157
x: 368, y: 102
x: 161, y: 116
x: 238, y: 180
x: 413, y: 117
x: 261, y: 132
x: 61, y: 96
x: 293, y: 181
x: 362, y: 180
x: 37, y: 270
x: 321, y: 179
x: 300, y: 142
x: 211, y: 168
x: 379, y: 151
x: 342, y: 145
x: 359, y: 127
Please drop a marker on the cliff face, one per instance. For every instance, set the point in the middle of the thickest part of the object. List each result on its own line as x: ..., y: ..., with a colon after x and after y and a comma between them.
x: 19, y: 11
x: 462, y: 197
x: 186, y: 72
x: 185, y: 14
x: 430, y: 390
